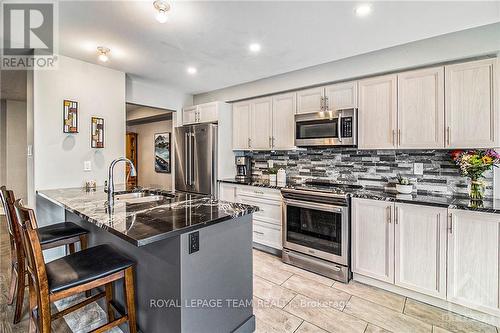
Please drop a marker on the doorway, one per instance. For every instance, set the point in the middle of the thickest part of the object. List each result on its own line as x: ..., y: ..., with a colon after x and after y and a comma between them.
x: 149, y: 146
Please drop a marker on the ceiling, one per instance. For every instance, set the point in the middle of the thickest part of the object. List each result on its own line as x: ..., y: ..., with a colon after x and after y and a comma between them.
x: 214, y: 36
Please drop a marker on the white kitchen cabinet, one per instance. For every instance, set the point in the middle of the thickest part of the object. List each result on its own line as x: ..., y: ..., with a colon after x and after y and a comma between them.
x: 470, y: 115
x: 377, y: 114
x: 473, y: 260
x: 208, y: 112
x: 261, y: 123
x: 227, y: 192
x: 190, y: 115
x: 283, y: 128
x: 310, y: 100
x: 420, y: 249
x: 342, y: 96
x: 373, y: 239
x: 241, y: 125
x: 267, y: 221
x: 202, y: 113
x: 421, y: 109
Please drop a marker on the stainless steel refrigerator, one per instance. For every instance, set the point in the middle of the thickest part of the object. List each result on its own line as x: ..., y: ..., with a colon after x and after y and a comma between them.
x: 196, y: 159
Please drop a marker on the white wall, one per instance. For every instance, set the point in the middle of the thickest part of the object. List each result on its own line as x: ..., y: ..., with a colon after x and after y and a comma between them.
x: 59, y: 157
x: 147, y: 176
x: 145, y: 93
x: 16, y: 138
x: 468, y: 43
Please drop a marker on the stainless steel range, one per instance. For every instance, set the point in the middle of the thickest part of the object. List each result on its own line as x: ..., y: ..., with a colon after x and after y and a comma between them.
x: 316, y: 228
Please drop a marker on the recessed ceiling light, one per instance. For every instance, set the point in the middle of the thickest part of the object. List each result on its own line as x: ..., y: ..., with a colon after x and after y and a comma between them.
x: 103, y: 53
x: 254, y: 47
x: 363, y: 10
x: 191, y: 70
x: 161, y: 10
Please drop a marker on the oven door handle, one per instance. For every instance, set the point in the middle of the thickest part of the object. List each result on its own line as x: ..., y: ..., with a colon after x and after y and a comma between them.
x: 315, y: 206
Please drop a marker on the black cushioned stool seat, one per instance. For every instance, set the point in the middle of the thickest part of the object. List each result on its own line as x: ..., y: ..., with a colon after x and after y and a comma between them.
x: 59, y: 231
x: 85, y: 266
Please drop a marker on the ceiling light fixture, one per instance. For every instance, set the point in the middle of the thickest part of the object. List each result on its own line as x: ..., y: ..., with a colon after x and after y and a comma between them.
x: 161, y: 10
x: 103, y: 53
x: 363, y: 10
x: 192, y: 70
x: 254, y: 47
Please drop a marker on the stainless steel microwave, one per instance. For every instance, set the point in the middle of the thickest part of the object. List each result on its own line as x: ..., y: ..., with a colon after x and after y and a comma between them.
x: 326, y: 128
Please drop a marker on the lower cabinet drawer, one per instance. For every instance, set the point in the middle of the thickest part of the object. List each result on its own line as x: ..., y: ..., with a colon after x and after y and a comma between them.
x: 270, y: 210
x: 267, y: 234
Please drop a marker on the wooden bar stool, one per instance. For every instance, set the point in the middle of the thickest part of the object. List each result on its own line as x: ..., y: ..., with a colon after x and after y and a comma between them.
x: 75, y: 273
x: 51, y: 236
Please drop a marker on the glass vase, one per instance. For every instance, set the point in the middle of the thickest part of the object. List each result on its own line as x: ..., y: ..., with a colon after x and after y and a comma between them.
x: 476, y: 190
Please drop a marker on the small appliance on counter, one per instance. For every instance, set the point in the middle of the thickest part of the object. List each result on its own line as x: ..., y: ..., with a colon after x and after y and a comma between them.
x: 243, y: 168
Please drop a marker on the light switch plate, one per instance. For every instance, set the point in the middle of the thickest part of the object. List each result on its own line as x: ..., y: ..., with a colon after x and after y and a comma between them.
x: 87, y: 166
x: 270, y: 163
x: 418, y: 168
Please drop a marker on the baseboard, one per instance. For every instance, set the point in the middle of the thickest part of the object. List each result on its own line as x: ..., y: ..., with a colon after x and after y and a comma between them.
x: 440, y: 303
x: 267, y: 249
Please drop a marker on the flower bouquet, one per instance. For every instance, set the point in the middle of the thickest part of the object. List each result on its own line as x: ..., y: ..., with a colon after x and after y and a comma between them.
x: 473, y: 164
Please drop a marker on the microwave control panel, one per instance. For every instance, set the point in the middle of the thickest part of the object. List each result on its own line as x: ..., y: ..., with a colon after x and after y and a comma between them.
x: 346, y: 127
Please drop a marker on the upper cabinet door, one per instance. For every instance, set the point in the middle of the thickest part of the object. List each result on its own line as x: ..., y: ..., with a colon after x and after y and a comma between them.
x: 207, y: 112
x: 189, y: 115
x: 261, y: 123
x: 373, y: 239
x: 473, y: 260
x: 469, y: 105
x: 241, y: 125
x: 377, y: 114
x: 342, y: 96
x: 421, y: 109
x: 310, y: 100
x: 284, y: 108
x: 420, y: 249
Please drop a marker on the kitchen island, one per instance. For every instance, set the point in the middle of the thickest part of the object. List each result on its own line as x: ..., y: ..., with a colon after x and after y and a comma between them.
x: 193, y: 254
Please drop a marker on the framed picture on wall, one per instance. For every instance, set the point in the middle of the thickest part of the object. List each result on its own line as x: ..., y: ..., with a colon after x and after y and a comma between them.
x: 162, y: 152
x: 97, y: 132
x: 70, y: 116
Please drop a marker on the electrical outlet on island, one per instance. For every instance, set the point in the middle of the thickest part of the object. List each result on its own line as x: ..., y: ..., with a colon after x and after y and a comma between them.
x: 418, y: 168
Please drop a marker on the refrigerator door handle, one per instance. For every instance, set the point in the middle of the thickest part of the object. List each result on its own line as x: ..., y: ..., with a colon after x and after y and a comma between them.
x: 186, y: 154
x: 192, y: 157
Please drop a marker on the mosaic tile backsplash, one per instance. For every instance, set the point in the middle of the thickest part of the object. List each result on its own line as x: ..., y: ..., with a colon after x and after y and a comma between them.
x: 374, y: 169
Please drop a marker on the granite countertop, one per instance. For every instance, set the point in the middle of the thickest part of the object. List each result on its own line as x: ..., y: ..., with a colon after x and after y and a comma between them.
x: 488, y: 205
x: 147, y: 222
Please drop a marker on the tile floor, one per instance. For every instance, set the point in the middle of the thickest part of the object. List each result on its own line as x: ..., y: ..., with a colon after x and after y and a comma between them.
x: 289, y: 299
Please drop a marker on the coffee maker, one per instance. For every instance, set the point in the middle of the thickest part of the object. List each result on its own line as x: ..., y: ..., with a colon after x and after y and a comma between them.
x: 243, y: 173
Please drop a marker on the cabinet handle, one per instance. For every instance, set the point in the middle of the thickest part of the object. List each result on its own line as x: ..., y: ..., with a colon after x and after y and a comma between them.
x: 450, y: 224
x: 389, y: 214
x: 270, y: 142
x: 399, y: 137
x: 273, y: 141
x: 448, y: 135
x: 394, y: 137
x: 249, y: 143
x: 321, y: 103
x: 327, y: 107
x: 396, y: 219
x: 258, y: 232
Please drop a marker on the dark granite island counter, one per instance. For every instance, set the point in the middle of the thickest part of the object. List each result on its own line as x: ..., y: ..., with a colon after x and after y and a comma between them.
x: 209, y: 290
